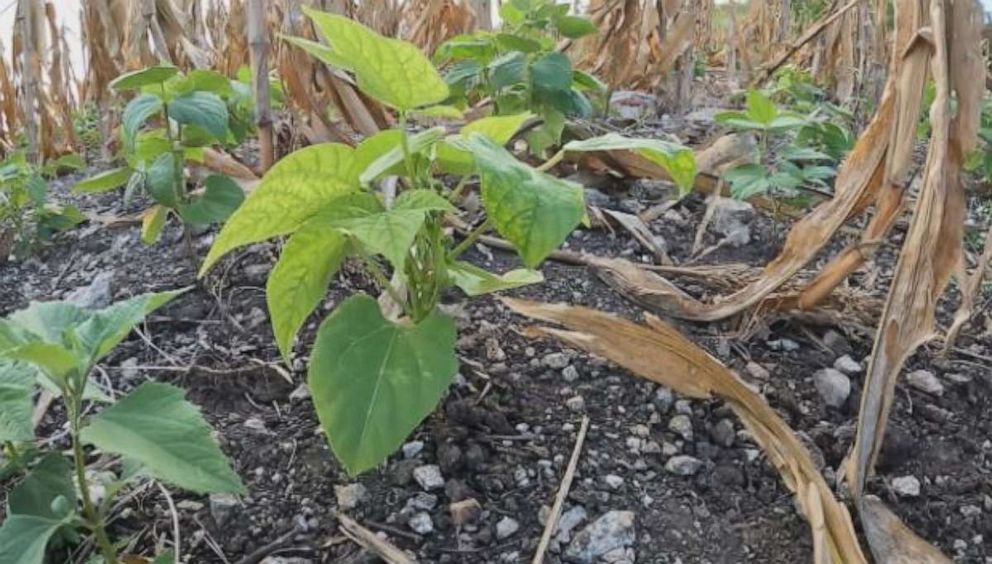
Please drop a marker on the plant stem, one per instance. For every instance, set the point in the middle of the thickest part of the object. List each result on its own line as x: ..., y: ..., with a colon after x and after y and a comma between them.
x: 470, y: 239
x: 405, y: 146
x: 74, y: 407
x: 456, y: 192
x: 381, y: 278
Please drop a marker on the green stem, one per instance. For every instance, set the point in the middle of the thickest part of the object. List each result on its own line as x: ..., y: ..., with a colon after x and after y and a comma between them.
x: 405, y: 146
x: 381, y: 278
x: 470, y: 239
x: 93, y: 517
x: 456, y: 192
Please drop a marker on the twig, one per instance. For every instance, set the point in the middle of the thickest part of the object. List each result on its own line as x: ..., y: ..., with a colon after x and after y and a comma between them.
x: 176, y: 542
x: 369, y: 541
x: 211, y: 542
x: 260, y: 554
x: 566, y: 484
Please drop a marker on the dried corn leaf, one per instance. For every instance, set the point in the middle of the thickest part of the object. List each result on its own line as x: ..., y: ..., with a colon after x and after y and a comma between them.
x: 659, y: 353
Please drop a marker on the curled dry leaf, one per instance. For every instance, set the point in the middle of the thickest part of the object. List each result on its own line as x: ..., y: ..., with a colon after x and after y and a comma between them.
x: 659, y: 353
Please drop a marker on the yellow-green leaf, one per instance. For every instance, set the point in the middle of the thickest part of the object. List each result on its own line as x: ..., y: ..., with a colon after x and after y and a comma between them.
x: 498, y: 128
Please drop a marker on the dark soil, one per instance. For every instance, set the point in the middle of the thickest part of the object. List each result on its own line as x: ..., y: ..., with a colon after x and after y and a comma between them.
x: 504, y: 433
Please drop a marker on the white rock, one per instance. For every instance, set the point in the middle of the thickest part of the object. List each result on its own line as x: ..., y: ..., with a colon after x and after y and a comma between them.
x: 834, y: 386
x: 412, y: 449
x: 906, y: 486
x: 421, y: 523
x: 576, y: 403
x: 611, y: 531
x: 681, y: 425
x: 683, y: 465
x: 506, y: 527
x: 568, y: 521
x: 925, y: 381
x: 847, y: 365
x: 429, y: 477
x: 97, y: 295
x: 613, y: 481
x: 351, y: 495
x: 757, y: 371
x: 222, y: 507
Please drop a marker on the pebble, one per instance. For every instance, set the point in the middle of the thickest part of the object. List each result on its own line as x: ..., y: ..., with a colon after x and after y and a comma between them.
x: 613, y: 530
x: 925, y: 381
x: 837, y: 342
x: 422, y: 501
x: 786, y: 345
x: 613, y: 481
x: 568, y: 521
x: 847, y: 365
x: 683, y: 465
x: 834, y: 386
x: 506, y: 527
x: 129, y: 369
x: 906, y: 486
x: 222, y: 507
x: 570, y: 373
x: 723, y: 433
x: 757, y: 371
x: 351, y: 495
x: 412, y: 449
x: 681, y: 425
x: 557, y: 360
x: 576, y: 403
x: 663, y: 399
x: 465, y: 511
x: 421, y: 523
x: 429, y: 477
x: 97, y: 295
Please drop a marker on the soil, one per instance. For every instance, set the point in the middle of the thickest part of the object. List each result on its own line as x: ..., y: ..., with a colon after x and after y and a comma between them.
x: 504, y: 433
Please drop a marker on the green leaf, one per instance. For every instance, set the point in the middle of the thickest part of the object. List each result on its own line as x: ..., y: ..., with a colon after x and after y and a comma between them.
x: 157, y: 427
x: 136, y: 79
x: 105, y: 329
x: 103, y: 182
x: 533, y: 210
x: 760, y: 108
x: 392, y: 232
x: 16, y: 389
x: 392, y: 71
x: 507, y: 70
x: 498, y: 128
x: 136, y: 113
x: 53, y: 358
x: 588, y: 82
x: 23, y: 539
x: 203, y: 109
x: 290, y: 192
x: 787, y: 122
x: 44, y: 321
x: 371, y: 148
x: 152, y: 223
x: 416, y: 144
x: 475, y: 281
x: 440, y: 112
x: 309, y: 260
x: 160, y: 180
x: 373, y: 381
x: 574, y: 27
x: 679, y: 161
x: 747, y: 180
x: 221, y: 196
x: 39, y: 492
x: 551, y: 75
x: 511, y: 42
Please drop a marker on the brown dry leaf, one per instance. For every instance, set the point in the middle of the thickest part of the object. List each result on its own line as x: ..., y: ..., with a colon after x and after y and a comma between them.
x: 659, y: 353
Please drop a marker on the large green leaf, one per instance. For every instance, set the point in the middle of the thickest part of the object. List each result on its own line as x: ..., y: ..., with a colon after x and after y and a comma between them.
x: 136, y: 79
x: 760, y: 108
x: 45, y: 321
x: 498, y: 128
x: 476, y: 281
x: 156, y: 426
x: 575, y: 27
x: 54, y: 359
x: 136, y: 113
x: 394, y: 157
x: 221, y: 196
x: 160, y: 180
x: 392, y: 71
x: 290, y: 192
x: 309, y: 260
x: 23, y: 538
x: 16, y: 388
x: 203, y: 109
x: 371, y: 148
x: 679, y: 161
x: 373, y: 381
x: 106, y: 328
x: 391, y: 233
x: 37, y: 508
x: 533, y: 210
x: 507, y: 70
x: 551, y: 75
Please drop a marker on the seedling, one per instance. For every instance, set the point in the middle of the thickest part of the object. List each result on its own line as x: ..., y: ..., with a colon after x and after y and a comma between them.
x: 155, y: 432
x: 171, y: 119
x: 373, y: 377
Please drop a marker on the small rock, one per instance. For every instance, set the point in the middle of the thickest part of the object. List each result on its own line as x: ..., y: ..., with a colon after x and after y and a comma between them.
x: 556, y: 360
x: 570, y: 373
x: 847, y: 365
x: 757, y: 371
x: 906, y: 486
x: 412, y: 449
x: 129, y: 368
x: 613, y: 481
x: 785, y: 345
x: 837, y: 343
x: 98, y: 295
x: 681, y: 425
x: 351, y: 495
x: 834, y: 386
x: 683, y: 465
x: 506, y: 527
x: 576, y: 403
x: 422, y: 502
x: 568, y: 521
x: 611, y: 531
x: 421, y: 523
x: 663, y: 399
x: 429, y: 477
x: 465, y: 511
x: 723, y: 433
x: 189, y: 505
x: 449, y: 457
x: 222, y: 507
x: 925, y: 381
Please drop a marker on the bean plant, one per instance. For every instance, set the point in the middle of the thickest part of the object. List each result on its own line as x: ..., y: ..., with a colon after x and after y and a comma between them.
x: 170, y: 121
x: 27, y: 216
x: 780, y: 169
x: 374, y: 376
x: 519, y: 68
x: 153, y: 430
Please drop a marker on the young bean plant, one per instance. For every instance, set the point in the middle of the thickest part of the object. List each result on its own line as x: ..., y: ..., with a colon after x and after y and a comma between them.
x: 373, y: 376
x: 170, y: 121
x: 519, y: 69
x: 153, y: 430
